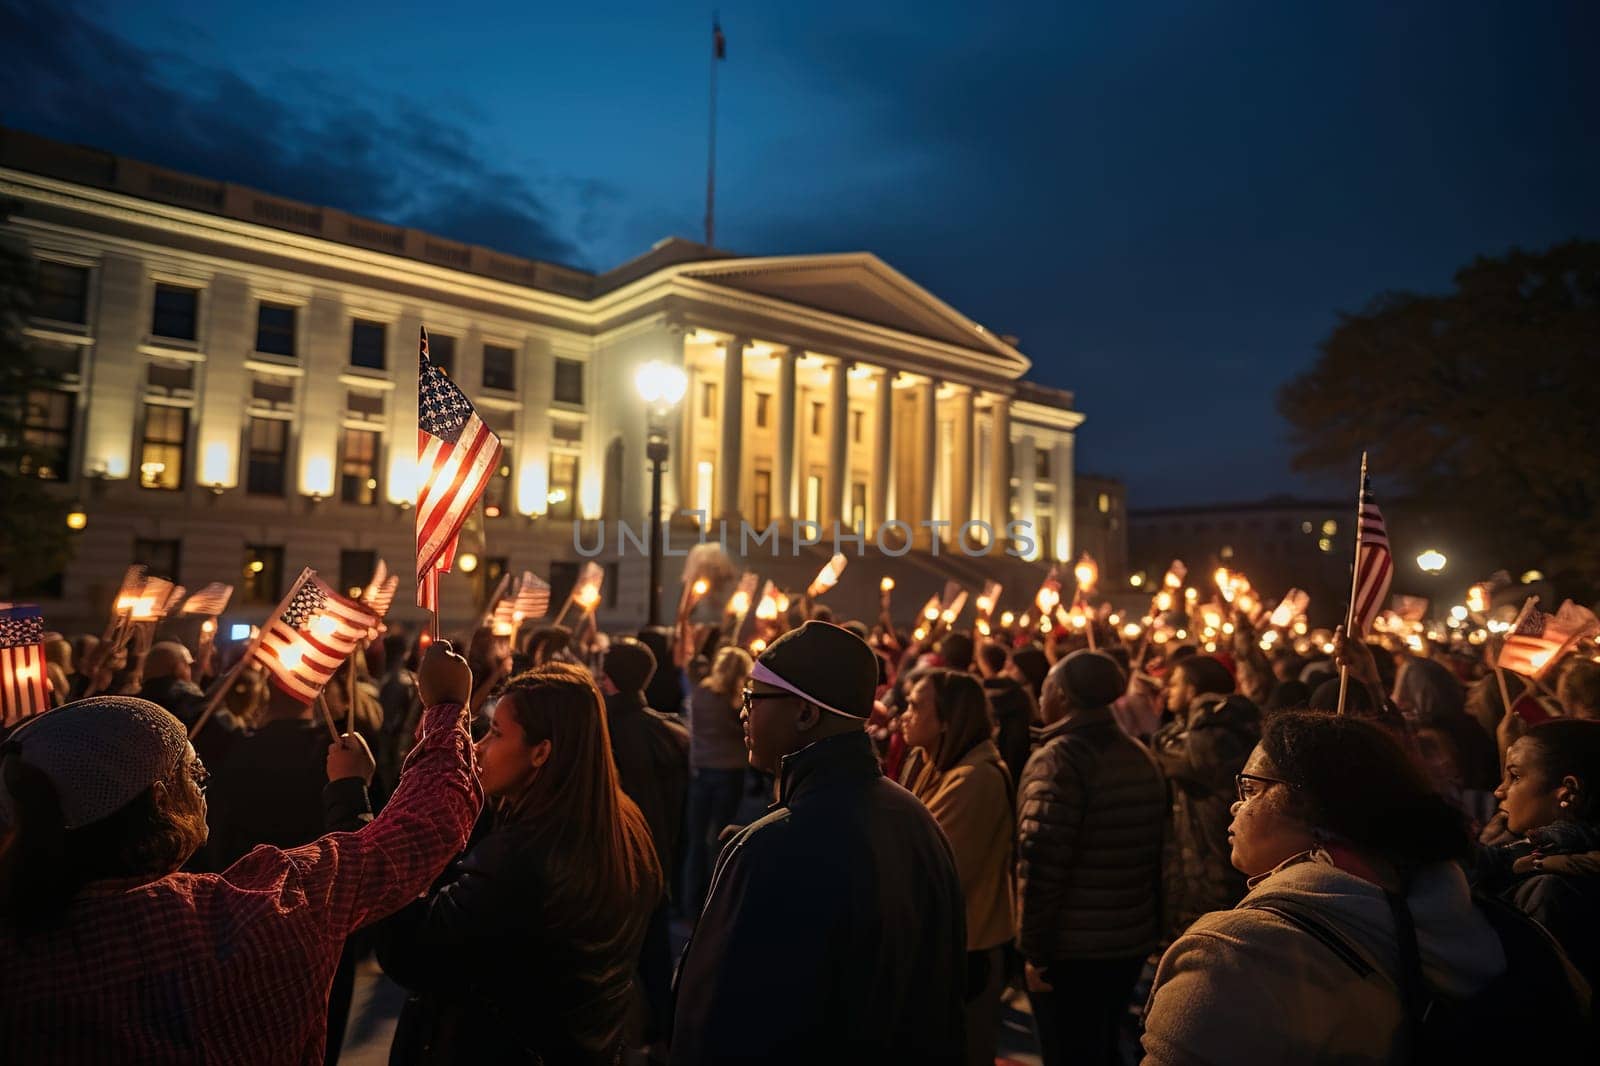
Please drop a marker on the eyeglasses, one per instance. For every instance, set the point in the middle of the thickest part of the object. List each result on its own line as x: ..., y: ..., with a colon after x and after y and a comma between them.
x: 199, y: 775
x: 751, y: 697
x: 1246, y: 795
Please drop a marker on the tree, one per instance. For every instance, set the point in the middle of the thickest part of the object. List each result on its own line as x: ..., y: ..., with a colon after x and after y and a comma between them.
x: 1479, y: 405
x: 34, y: 540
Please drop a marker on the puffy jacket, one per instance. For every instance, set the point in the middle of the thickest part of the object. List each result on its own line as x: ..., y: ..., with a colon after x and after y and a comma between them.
x: 1199, y: 753
x: 1089, y: 820
x: 1562, y: 896
x: 833, y: 931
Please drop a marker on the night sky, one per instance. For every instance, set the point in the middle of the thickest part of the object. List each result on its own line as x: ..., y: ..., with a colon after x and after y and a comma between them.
x: 1169, y: 203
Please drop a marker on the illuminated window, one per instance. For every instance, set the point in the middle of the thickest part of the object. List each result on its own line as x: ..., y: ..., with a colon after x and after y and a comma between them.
x: 161, y: 452
x: 763, y: 402
x: 267, y: 457
x: 1103, y: 503
x: 263, y: 573
x: 367, y: 345
x: 708, y: 399
x: 1041, y: 465
x: 816, y: 420
x: 563, y: 496
x: 61, y: 293
x: 858, y: 504
x: 177, y: 313
x: 275, y: 329
x: 705, y: 480
x: 358, y: 466
x: 857, y: 421
x: 499, y: 368
x: 813, y: 498
x: 761, y: 499
x: 47, y: 434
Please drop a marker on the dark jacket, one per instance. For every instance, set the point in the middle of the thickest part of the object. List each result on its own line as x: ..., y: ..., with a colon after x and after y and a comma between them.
x: 504, y: 965
x: 652, y: 755
x: 183, y: 698
x: 1011, y: 713
x: 833, y: 930
x: 1567, y: 903
x: 267, y: 789
x: 1090, y: 811
x: 1199, y: 753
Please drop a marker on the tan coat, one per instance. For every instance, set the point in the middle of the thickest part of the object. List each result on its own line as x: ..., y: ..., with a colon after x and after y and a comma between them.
x: 972, y: 804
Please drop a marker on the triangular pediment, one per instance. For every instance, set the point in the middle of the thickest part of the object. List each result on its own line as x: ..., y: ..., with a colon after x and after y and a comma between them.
x: 857, y: 286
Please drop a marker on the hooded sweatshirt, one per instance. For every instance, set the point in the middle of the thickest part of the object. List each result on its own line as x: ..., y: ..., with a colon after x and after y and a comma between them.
x: 1248, y: 986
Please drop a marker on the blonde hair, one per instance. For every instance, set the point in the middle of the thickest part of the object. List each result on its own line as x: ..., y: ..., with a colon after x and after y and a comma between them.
x: 729, y: 671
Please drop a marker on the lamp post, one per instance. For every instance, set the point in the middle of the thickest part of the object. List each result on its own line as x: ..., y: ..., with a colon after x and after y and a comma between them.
x: 661, y: 386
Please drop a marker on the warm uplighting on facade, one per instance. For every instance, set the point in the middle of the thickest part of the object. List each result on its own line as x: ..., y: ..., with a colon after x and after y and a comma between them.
x: 316, y: 475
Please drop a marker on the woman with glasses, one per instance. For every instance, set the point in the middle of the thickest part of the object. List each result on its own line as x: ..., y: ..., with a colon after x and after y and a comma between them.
x: 524, y: 952
x: 1345, y: 844
x: 955, y: 770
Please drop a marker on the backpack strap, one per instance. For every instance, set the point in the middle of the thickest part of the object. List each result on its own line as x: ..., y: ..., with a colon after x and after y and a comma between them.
x: 1414, y: 998
x: 1329, y: 938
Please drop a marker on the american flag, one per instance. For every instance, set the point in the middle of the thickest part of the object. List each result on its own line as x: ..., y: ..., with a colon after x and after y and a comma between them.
x: 1537, y: 639
x: 1374, y: 565
x: 456, y: 456
x: 23, y: 692
x: 379, y: 593
x: 310, y: 636
x: 211, y: 600
x: 533, y: 598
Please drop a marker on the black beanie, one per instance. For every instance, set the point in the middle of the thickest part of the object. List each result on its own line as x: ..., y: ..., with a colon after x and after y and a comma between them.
x: 1092, y: 679
x: 823, y: 664
x: 630, y: 664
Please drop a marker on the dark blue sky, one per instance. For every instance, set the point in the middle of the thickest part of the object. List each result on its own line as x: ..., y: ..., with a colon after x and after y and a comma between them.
x: 1168, y: 202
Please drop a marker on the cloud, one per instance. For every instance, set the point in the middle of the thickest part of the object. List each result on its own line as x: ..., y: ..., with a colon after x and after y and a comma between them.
x: 302, y: 137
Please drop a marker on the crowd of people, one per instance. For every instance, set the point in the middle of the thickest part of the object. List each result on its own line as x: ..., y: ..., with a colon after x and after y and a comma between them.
x: 860, y: 844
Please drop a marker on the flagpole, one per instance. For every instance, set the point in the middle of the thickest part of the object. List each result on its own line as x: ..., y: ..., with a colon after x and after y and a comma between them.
x: 227, y: 680
x: 711, y: 154
x: 1355, y: 585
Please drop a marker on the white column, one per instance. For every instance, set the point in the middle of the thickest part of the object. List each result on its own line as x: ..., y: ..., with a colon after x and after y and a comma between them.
x: 834, y: 506
x: 732, y: 461
x: 685, y: 455
x: 966, y: 435
x: 1000, y: 466
x: 928, y: 446
x: 1026, y: 501
x: 783, y: 474
x: 882, y: 449
x: 1066, y: 535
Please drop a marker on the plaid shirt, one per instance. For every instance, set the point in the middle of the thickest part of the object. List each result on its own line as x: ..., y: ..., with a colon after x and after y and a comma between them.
x: 233, y: 967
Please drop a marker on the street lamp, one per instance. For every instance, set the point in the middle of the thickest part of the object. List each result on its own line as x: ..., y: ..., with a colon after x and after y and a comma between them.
x: 1431, y: 561
x: 660, y: 386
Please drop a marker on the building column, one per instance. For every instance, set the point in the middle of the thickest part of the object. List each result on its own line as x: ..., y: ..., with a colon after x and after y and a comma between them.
x: 834, y: 506
x: 928, y: 446
x: 1000, y: 466
x: 1066, y: 535
x: 882, y: 450
x: 783, y: 474
x: 685, y: 454
x: 965, y: 444
x: 1027, y: 502
x: 731, y: 463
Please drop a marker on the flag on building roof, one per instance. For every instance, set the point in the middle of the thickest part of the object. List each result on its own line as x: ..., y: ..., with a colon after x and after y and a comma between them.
x: 533, y: 598
x: 457, y: 454
x: 23, y: 688
x: 310, y: 635
x: 1374, y: 564
x: 1538, y: 640
x: 211, y: 600
x: 719, y: 43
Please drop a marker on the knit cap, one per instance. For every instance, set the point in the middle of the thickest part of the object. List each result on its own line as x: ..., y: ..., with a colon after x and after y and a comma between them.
x: 99, y: 754
x: 823, y: 664
x: 1092, y: 678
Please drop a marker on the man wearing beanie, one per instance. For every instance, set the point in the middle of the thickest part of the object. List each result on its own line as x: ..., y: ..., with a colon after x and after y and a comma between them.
x: 1090, y: 809
x: 834, y: 928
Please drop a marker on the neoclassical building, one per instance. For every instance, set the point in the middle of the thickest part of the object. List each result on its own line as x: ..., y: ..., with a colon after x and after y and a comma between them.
x: 234, y: 393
